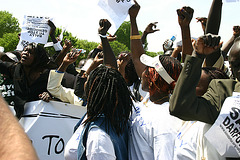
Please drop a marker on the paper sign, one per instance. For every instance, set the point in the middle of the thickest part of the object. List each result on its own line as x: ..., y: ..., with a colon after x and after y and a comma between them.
x: 117, y: 11
x: 232, y: 0
x: 34, y: 29
x: 49, y: 126
x: 224, y: 135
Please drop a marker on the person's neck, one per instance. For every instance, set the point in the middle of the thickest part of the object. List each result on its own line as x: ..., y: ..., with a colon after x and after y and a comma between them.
x: 159, y: 98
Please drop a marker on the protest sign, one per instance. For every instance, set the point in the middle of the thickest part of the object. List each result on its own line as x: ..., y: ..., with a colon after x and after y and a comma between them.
x: 34, y: 29
x: 224, y: 135
x: 117, y: 11
x: 49, y: 126
x: 232, y: 0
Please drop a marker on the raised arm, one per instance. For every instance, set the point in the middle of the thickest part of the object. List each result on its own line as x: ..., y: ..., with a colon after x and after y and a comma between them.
x: 149, y: 29
x: 236, y: 33
x: 184, y: 102
x: 185, y: 15
x: 135, y: 40
x: 108, y: 55
x: 212, y: 26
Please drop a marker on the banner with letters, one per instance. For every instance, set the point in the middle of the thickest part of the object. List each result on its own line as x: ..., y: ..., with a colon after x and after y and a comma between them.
x: 117, y: 10
x: 50, y: 125
x: 224, y: 135
x: 34, y: 29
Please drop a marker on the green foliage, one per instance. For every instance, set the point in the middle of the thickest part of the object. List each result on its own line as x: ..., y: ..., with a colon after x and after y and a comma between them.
x: 8, y: 23
x: 123, y: 33
x: 9, y: 41
x: 153, y: 54
x: 118, y: 47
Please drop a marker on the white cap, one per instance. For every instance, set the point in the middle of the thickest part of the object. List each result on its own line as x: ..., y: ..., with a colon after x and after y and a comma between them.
x: 155, y: 63
x: 12, y: 56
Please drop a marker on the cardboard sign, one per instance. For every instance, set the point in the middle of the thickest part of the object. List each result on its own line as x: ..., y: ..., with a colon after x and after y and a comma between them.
x: 117, y: 11
x: 34, y: 29
x: 50, y: 126
x: 224, y: 135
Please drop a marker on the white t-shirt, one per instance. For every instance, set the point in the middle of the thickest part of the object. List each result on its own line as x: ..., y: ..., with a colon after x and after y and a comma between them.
x: 153, y: 131
x: 186, y: 141
x: 99, y: 145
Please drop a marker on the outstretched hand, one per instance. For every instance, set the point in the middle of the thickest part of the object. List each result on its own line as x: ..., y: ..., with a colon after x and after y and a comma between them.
x: 207, y: 44
x: 149, y: 28
x: 71, y: 57
x: 104, y: 26
x: 185, y: 15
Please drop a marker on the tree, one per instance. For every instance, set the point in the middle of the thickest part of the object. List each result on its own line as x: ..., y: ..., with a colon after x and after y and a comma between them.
x: 9, y: 41
x: 123, y: 33
x: 8, y: 23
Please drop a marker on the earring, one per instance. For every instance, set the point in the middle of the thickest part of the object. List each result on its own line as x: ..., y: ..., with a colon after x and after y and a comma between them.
x: 150, y: 84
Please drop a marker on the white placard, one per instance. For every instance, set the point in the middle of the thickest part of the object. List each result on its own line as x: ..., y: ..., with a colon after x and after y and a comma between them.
x: 232, y: 0
x: 224, y: 135
x: 34, y: 29
x: 50, y: 126
x: 117, y: 11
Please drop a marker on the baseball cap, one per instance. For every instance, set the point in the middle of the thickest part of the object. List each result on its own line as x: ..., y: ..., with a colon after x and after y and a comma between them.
x: 155, y: 63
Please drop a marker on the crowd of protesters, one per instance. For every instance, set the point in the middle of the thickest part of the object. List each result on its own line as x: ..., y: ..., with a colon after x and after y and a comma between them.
x: 138, y: 107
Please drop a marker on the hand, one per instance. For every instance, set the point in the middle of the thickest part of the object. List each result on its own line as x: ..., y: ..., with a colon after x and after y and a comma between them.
x: 104, y: 26
x: 45, y: 96
x: 111, y: 38
x: 67, y: 44
x: 71, y: 57
x: 122, y: 61
x: 53, y: 28
x: 149, y: 28
x: 207, y: 44
x: 202, y: 20
x: 133, y: 11
x: 98, y: 58
x: 185, y: 15
x: 236, y: 31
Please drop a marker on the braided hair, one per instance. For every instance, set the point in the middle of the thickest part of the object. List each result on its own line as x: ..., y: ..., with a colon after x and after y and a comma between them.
x: 108, y: 95
x: 173, y: 68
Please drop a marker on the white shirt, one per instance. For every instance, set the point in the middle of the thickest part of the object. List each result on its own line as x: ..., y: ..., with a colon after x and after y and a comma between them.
x: 153, y: 131
x: 99, y: 145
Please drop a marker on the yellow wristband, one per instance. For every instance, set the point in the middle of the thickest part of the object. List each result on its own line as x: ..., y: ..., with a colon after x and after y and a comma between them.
x: 135, y: 37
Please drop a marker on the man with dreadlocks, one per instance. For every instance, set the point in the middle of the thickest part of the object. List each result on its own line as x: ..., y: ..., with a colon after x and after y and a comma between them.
x: 103, y: 132
x: 153, y: 129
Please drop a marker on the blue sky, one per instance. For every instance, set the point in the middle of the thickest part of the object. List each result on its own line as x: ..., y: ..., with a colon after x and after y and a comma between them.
x: 81, y: 17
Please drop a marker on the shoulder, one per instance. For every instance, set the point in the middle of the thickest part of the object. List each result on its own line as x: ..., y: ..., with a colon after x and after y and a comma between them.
x: 99, y: 142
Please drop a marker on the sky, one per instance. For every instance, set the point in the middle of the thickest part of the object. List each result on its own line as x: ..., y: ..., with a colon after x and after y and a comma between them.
x: 81, y: 17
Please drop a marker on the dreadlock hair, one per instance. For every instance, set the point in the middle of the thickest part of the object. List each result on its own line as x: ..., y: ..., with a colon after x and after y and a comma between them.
x: 41, y: 57
x: 215, y: 73
x: 173, y: 68
x: 108, y: 95
x: 130, y: 72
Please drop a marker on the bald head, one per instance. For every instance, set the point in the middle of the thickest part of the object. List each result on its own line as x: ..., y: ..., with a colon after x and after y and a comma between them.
x: 234, y: 58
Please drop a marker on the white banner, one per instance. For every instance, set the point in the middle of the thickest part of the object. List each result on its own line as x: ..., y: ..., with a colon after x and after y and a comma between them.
x: 34, y: 29
x: 50, y: 126
x: 117, y: 11
x: 224, y: 135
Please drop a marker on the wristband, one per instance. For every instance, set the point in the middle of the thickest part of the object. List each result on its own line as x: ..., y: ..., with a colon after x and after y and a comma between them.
x: 57, y: 46
x: 103, y: 36
x: 135, y: 37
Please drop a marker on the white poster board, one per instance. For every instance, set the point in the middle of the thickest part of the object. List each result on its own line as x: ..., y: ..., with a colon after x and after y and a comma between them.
x: 117, y: 10
x: 224, y: 135
x: 50, y: 126
x: 34, y: 29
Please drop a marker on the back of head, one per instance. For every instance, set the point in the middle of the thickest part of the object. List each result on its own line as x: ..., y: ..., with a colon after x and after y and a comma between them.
x: 107, y: 94
x: 172, y: 66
